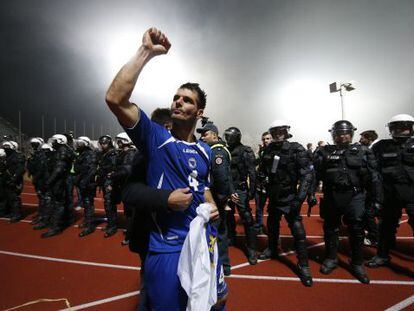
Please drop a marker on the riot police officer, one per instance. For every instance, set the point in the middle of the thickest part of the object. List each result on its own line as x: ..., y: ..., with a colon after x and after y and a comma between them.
x: 63, y: 159
x: 396, y: 166
x: 85, y: 171
x: 106, y: 167
x: 288, y: 168
x: 35, y: 167
x: 261, y: 184
x: 45, y: 206
x: 15, y: 168
x: 347, y: 170
x: 220, y: 186
x: 243, y: 187
x: 123, y: 169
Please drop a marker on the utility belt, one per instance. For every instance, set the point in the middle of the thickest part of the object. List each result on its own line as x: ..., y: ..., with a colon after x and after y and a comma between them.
x: 336, y: 188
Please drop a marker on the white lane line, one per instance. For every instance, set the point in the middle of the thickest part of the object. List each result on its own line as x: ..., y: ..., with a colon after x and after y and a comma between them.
x: 79, y: 262
x: 346, y: 281
x: 401, y: 305
x: 245, y: 264
x: 321, y: 236
x: 102, y: 301
x: 29, y: 222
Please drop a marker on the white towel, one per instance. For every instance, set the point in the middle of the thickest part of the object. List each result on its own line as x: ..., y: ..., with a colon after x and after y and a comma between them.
x: 196, y: 272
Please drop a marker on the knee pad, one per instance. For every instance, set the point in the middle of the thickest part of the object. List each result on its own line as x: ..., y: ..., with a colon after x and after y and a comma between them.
x: 298, y: 231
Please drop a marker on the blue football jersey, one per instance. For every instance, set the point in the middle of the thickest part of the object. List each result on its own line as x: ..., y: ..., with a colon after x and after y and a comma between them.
x: 172, y: 164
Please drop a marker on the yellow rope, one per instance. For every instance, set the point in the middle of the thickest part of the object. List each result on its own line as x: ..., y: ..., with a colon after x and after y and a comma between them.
x: 40, y: 300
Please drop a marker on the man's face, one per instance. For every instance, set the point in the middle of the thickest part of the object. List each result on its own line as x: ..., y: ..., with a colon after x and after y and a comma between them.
x: 208, y: 137
x: 184, y: 107
x: 266, y: 139
x: 364, y: 141
x: 278, y: 134
x: 104, y: 146
x: 343, y: 139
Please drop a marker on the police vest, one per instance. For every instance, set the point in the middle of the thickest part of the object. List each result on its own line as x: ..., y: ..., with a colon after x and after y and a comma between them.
x: 345, y: 168
x: 396, y: 161
x: 279, y: 161
x: 238, y: 166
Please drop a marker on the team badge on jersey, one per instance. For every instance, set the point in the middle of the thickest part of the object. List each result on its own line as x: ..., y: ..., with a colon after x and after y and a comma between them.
x: 192, y: 163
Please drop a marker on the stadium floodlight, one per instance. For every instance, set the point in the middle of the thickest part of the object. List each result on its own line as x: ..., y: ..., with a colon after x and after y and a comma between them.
x: 340, y: 87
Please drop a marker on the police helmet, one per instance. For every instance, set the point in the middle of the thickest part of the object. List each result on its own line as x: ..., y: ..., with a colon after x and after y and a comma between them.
x: 7, y: 145
x: 400, y: 122
x: 342, y: 127
x: 59, y: 139
x: 280, y: 126
x: 123, y: 138
x: 83, y: 141
x: 15, y: 145
x: 232, y: 136
x: 105, y: 139
x: 36, y: 142
x: 47, y: 147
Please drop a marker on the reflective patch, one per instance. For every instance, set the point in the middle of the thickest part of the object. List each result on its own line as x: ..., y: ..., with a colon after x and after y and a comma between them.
x: 219, y: 160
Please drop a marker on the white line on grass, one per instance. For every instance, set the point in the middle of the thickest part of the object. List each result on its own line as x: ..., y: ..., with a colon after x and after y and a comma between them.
x: 79, y: 262
x: 102, y: 301
x: 402, y: 305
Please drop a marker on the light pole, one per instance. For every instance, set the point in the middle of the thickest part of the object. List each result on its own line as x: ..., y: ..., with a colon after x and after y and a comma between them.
x: 341, y: 87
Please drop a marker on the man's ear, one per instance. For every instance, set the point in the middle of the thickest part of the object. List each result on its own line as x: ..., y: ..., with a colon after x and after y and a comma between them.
x: 200, y: 113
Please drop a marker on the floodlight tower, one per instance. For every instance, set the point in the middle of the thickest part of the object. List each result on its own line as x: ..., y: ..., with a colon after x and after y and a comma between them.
x: 341, y: 87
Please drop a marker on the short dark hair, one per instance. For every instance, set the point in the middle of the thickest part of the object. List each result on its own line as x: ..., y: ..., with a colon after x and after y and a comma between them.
x: 161, y: 116
x: 195, y: 87
x: 265, y: 133
x: 370, y: 134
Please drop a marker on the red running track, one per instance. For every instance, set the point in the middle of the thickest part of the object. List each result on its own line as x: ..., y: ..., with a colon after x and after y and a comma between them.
x: 95, y: 273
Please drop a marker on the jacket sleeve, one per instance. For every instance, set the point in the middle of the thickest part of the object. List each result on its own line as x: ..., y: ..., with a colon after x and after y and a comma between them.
x: 305, y: 173
x: 143, y: 198
x: 250, y: 161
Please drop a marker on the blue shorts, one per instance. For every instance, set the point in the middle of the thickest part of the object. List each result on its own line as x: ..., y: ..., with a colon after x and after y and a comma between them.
x: 163, y: 285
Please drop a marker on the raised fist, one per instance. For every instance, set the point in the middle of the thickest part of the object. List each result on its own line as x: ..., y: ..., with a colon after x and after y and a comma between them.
x: 155, y: 42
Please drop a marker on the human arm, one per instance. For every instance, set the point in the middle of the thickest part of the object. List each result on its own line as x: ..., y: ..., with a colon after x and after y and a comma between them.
x: 154, y: 43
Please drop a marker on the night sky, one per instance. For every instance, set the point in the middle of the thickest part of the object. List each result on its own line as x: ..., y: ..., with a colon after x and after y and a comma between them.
x: 257, y: 61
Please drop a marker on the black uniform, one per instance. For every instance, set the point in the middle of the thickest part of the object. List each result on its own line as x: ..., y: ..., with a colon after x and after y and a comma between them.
x: 289, y: 169
x: 396, y: 167
x: 13, y: 179
x: 37, y: 168
x: 106, y: 167
x: 56, y: 183
x: 243, y: 176
x: 261, y: 193
x: 221, y: 189
x: 124, y: 162
x: 346, y: 174
x: 85, y: 172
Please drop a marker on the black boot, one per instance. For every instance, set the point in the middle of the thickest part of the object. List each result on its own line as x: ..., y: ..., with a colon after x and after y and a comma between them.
x: 251, y: 243
x: 110, y: 232
x: 88, y: 230
x: 16, y: 218
x: 328, y: 265
x: 51, y: 232
x: 378, y: 261
x: 359, y: 272
x: 268, y: 254
x: 305, y: 275
x: 251, y: 256
x: 41, y: 225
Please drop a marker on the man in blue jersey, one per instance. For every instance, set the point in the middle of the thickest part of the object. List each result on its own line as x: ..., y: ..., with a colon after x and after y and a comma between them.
x: 175, y: 160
